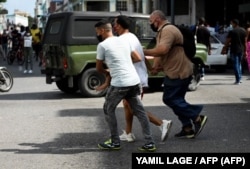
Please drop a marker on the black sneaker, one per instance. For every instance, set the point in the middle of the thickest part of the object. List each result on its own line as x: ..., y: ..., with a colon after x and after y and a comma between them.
x: 200, y: 125
x: 148, y: 147
x: 185, y: 134
x: 109, y: 145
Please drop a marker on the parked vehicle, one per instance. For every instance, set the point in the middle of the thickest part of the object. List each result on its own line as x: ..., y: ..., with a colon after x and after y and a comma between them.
x: 216, y: 60
x: 69, y: 50
x: 6, y: 80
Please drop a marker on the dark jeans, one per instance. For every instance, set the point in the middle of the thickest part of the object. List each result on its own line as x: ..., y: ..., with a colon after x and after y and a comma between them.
x: 113, y: 97
x: 236, y: 60
x: 28, y: 58
x: 174, y: 97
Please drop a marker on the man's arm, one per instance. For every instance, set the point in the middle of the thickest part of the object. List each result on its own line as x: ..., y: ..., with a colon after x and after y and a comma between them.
x: 100, y: 68
x: 226, y: 46
x: 158, y: 51
x: 136, y: 57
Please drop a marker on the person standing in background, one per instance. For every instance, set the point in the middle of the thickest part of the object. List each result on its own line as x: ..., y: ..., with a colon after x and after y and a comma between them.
x: 4, y: 41
x: 27, y: 37
x: 203, y: 37
x: 236, y: 40
x: 248, y: 46
x: 37, y: 42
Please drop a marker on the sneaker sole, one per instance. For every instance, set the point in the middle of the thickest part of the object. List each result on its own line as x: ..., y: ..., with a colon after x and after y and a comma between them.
x: 147, y: 150
x: 166, y: 136
x: 104, y: 148
x: 202, y: 126
x: 186, y: 136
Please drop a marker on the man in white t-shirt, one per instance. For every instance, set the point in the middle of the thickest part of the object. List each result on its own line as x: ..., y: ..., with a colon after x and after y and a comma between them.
x: 121, y: 27
x: 28, y: 51
x: 125, y: 84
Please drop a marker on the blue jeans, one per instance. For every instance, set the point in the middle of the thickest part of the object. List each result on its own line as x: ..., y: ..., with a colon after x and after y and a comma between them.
x: 174, y: 97
x: 236, y: 60
x: 113, y: 97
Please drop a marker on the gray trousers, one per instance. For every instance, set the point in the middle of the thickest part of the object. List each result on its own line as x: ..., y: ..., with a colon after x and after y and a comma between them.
x: 113, y: 97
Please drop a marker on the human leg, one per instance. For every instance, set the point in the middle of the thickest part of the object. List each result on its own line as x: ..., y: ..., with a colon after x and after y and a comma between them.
x: 25, y: 52
x: 174, y: 96
x: 139, y: 112
x: 236, y: 61
x: 113, y: 97
x: 30, y: 60
x: 127, y: 134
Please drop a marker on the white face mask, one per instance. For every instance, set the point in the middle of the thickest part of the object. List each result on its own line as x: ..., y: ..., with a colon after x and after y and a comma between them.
x: 230, y: 26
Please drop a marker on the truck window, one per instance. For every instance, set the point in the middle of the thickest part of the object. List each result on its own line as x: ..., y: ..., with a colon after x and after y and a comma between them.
x: 84, y: 28
x: 142, y: 29
x: 55, y: 27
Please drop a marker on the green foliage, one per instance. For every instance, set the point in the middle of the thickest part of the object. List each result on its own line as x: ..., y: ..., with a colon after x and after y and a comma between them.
x: 3, y: 0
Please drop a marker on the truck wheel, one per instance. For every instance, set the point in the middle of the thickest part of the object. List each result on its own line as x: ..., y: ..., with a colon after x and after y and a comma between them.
x: 89, y: 80
x: 63, y: 86
x: 195, y: 82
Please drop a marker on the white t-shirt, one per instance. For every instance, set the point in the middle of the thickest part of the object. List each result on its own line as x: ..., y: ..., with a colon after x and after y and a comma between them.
x: 139, y: 66
x: 27, y: 41
x: 116, y: 53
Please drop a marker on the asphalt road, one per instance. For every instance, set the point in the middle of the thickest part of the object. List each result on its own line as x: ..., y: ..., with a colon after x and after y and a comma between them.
x: 43, y: 128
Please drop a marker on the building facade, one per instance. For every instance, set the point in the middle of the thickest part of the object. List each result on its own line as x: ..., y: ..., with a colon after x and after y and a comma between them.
x: 178, y: 11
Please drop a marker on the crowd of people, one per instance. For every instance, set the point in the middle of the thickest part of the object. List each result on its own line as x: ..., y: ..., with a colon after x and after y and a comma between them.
x: 27, y: 40
x: 126, y: 64
x: 127, y: 70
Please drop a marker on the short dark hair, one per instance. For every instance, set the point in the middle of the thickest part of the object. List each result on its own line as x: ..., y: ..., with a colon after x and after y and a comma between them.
x: 124, y: 21
x: 235, y: 21
x: 106, y: 24
x: 202, y: 20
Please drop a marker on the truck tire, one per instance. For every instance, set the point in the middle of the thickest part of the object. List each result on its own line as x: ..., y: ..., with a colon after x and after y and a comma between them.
x: 64, y: 87
x: 88, y: 81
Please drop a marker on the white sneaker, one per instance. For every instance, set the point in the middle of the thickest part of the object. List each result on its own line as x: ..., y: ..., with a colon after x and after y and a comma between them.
x: 30, y: 71
x: 165, y: 128
x: 202, y: 78
x: 130, y: 137
x: 25, y: 71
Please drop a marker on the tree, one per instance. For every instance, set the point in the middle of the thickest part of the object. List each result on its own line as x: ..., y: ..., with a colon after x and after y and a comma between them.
x: 3, y: 0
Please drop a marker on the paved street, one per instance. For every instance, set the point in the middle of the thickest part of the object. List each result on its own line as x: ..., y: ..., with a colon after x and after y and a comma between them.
x: 43, y: 128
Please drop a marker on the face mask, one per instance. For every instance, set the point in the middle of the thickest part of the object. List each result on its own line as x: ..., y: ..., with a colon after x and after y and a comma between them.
x: 99, y: 38
x: 155, y: 29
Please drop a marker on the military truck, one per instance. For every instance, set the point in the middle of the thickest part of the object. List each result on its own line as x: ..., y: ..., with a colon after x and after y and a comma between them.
x: 69, y: 50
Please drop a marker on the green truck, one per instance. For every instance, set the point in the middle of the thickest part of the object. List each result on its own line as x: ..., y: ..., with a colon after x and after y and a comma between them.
x: 69, y: 50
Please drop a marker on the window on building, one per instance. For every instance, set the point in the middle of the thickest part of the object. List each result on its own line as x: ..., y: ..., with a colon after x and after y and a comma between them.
x: 121, y: 6
x: 181, y: 7
x: 97, y: 6
x: 137, y: 6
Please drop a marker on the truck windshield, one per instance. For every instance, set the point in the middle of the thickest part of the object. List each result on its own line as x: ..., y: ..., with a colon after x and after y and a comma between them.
x: 142, y: 29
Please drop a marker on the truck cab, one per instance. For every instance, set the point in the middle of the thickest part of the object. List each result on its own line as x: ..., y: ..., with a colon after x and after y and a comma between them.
x: 69, y: 49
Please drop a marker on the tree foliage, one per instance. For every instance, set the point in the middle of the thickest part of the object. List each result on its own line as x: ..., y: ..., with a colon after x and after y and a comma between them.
x: 3, y: 0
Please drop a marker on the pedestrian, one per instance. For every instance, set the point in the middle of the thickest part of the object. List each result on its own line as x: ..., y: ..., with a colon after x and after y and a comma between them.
x: 236, y: 41
x: 125, y: 84
x: 5, y: 43
x: 2, y: 54
x: 27, y: 37
x: 37, y: 42
x: 203, y: 37
x: 248, y: 45
x: 121, y: 27
x: 178, y: 70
